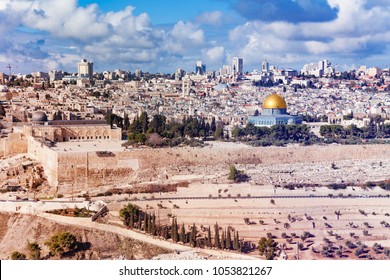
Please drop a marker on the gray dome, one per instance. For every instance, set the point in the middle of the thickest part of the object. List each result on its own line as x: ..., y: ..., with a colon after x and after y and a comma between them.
x: 39, y: 117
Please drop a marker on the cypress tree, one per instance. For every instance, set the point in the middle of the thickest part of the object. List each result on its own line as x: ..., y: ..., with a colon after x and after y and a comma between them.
x: 139, y: 221
x: 153, y: 227
x: 238, y: 242
x: 193, y: 236
x: 223, y: 240
x: 165, y: 233
x: 183, y: 234
x: 235, y: 242
x: 209, y: 244
x: 150, y: 222
x: 145, y: 222
x: 174, y: 230
x: 216, y: 237
x: 131, y: 222
x: 213, y: 126
x: 228, y: 239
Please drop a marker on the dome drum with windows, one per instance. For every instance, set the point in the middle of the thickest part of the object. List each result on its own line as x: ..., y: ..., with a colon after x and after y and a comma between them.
x: 274, y: 111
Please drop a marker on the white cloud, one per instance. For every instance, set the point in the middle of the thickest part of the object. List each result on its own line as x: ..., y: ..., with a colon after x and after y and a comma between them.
x: 215, y: 54
x: 210, y: 18
x: 358, y: 25
x: 187, y: 32
x: 71, y: 32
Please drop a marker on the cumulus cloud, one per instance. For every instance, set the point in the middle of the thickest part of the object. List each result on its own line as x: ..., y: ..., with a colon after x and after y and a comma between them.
x: 288, y: 31
x: 183, y: 36
x: 358, y: 29
x: 119, y: 37
x: 210, y: 18
x: 215, y: 54
x: 187, y: 31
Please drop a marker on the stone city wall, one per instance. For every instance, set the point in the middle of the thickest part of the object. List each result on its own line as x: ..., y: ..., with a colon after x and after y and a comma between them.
x: 86, y: 171
x: 158, y: 158
x: 83, y: 171
x: 14, y: 144
x: 47, y: 157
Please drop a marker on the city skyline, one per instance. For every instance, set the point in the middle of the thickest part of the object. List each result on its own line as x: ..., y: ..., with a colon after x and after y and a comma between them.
x: 160, y: 37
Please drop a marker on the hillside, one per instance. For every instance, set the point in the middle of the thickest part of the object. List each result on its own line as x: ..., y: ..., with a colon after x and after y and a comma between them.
x: 17, y: 229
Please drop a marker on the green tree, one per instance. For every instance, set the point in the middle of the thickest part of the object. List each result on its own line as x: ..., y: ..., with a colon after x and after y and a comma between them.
x: 267, y: 247
x: 213, y: 125
x: 223, y: 240
x: 228, y: 239
x: 183, y: 238
x: 141, y: 138
x: 158, y: 124
x: 237, y: 175
x: 217, y: 243
x: 154, y: 226
x: 61, y: 243
x: 126, y: 122
x: 129, y: 214
x: 218, y: 134
x: 146, y: 222
x: 144, y: 122
x: 208, y: 242
x: 236, y: 242
x: 174, y: 230
x: 232, y: 172
x: 193, y: 236
x: 34, y: 250
x: 17, y: 256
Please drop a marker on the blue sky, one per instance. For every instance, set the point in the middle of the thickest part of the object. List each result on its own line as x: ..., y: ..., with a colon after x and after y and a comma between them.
x: 160, y: 36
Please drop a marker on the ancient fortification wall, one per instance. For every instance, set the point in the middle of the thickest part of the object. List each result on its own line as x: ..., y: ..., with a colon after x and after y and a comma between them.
x: 47, y: 157
x: 15, y: 144
x: 265, y: 155
x: 82, y: 171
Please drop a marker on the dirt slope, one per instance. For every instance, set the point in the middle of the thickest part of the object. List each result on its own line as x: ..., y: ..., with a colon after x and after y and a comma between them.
x: 16, y: 230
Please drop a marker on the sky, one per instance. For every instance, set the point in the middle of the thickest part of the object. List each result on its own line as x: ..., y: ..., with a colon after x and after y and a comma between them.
x: 161, y: 36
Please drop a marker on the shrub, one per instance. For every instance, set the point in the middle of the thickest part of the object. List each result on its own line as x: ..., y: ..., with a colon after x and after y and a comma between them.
x: 34, y: 250
x: 18, y: 256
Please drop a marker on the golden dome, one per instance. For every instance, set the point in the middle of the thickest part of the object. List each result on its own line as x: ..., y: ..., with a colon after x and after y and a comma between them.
x: 274, y: 101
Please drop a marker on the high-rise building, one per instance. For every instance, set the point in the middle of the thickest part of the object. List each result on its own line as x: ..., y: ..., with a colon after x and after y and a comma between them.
x: 264, y: 66
x: 238, y: 66
x: 179, y: 74
x: 85, y: 69
x: 318, y: 69
x: 200, y: 68
x: 138, y: 73
x: 226, y: 70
